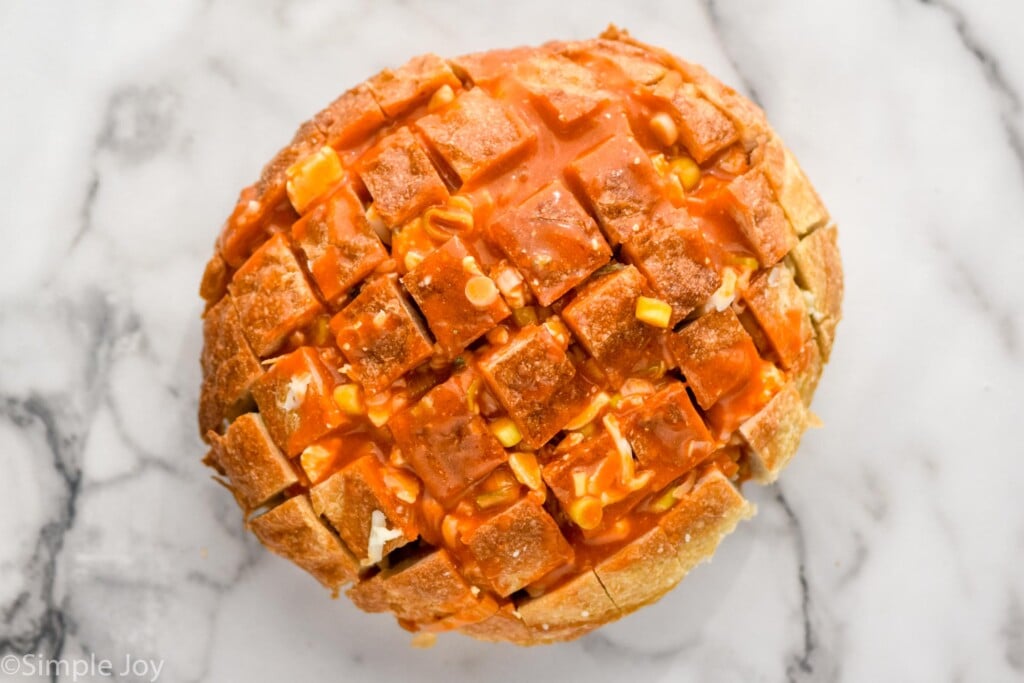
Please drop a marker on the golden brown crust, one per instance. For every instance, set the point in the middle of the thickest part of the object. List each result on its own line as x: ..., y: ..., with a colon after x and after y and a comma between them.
x: 819, y: 270
x: 505, y: 625
x: 641, y: 572
x: 422, y: 589
x: 760, y: 217
x: 253, y: 464
x: 774, y: 433
x: 702, y: 518
x: 397, y: 91
x: 796, y: 195
x: 578, y: 605
x: 293, y: 531
x: 807, y: 371
x: 229, y: 365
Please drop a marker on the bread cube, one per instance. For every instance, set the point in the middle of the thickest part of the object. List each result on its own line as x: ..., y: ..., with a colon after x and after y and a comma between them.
x: 440, y: 283
x: 564, y: 91
x: 551, y: 240
x: 401, y: 178
x: 380, y: 336
x: 421, y: 589
x: 295, y: 400
x: 603, y: 318
x: 819, y: 271
x: 340, y: 247
x: 272, y: 296
x: 253, y: 463
x: 517, y: 546
x: 399, y: 90
x: 621, y: 185
x: 774, y: 433
x: 753, y: 207
x: 350, y: 118
x: 667, y: 434
x: 348, y: 499
x: 715, y: 354
x: 781, y: 312
x: 535, y: 381
x: 229, y: 365
x: 475, y: 134
x: 446, y: 443
x: 293, y: 531
x: 673, y: 259
x: 703, y: 129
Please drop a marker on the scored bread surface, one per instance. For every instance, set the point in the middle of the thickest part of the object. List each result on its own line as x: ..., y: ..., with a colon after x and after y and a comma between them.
x: 494, y: 340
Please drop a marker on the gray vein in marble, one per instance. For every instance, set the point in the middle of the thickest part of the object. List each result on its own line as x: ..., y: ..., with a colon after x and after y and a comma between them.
x: 137, y: 124
x: 1013, y: 633
x: 1003, y: 322
x: 1009, y: 99
x: 715, y: 20
x: 33, y: 623
x: 856, y: 565
x: 86, y: 209
x: 877, y: 505
x: 802, y: 665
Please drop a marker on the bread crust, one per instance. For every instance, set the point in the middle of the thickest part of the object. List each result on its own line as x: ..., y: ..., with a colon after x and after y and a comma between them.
x: 293, y: 531
x: 774, y: 433
x: 819, y: 270
x: 252, y: 462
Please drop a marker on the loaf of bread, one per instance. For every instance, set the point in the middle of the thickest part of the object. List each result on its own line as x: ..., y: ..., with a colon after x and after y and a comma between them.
x: 495, y: 339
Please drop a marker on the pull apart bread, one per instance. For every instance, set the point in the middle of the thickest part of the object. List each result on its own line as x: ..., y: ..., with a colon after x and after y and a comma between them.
x: 494, y: 340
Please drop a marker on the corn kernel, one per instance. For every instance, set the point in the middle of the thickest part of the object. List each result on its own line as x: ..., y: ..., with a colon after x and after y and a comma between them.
x: 579, y: 483
x: 507, y: 432
x: 441, y: 97
x: 687, y: 170
x: 726, y: 292
x: 349, y: 398
x: 310, y: 178
x: 450, y: 530
x: 378, y: 225
x: 412, y: 259
x: 586, y: 512
x: 405, y: 486
x: 316, y: 462
x: 558, y: 330
x: 524, y: 466
x: 654, y: 312
x: 481, y: 291
x: 320, y: 331
x: 524, y: 316
x: 664, y: 129
x: 497, y: 335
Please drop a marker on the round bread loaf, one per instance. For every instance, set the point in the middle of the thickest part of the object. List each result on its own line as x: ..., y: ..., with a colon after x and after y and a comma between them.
x: 494, y: 340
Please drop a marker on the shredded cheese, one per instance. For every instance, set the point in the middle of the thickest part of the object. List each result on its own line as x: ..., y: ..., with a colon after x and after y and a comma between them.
x: 380, y: 535
x: 296, y: 394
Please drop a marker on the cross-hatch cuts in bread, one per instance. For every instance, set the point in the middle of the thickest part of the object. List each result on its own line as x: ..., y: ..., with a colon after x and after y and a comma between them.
x: 494, y: 339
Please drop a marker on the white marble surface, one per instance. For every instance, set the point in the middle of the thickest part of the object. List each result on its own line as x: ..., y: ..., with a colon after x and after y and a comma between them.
x: 893, y: 548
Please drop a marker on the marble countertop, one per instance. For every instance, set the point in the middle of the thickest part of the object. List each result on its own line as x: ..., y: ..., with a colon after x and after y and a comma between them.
x: 891, y: 550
